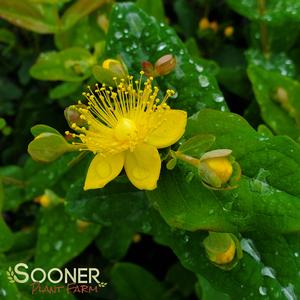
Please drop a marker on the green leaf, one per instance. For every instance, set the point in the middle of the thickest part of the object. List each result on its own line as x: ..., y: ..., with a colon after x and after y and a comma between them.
x: 282, y: 258
x: 277, y: 97
x: 73, y: 64
x: 269, y: 11
x: 85, y: 34
x: 58, y: 237
x: 6, y: 236
x: 197, y: 145
x: 132, y: 282
x: 118, y: 207
x: 8, y: 290
x: 205, y: 291
x: 12, y: 178
x: 153, y: 8
x: 140, y: 38
x: 78, y: 10
x: 64, y: 89
x: 38, y: 18
x: 278, y: 62
x: 265, y: 198
x: 41, y: 177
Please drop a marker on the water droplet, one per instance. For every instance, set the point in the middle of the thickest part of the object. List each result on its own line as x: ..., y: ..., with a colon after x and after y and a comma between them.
x: 248, y: 246
x: 199, y: 68
x: 296, y: 254
x: 268, y: 271
x: 3, y: 292
x: 263, y: 290
x: 218, y: 98
x: 289, y: 292
x: 58, y: 245
x: 146, y: 227
x: 119, y: 16
x: 186, y: 238
x: 125, y: 30
x: 203, y: 81
x: 118, y: 35
x: 161, y: 46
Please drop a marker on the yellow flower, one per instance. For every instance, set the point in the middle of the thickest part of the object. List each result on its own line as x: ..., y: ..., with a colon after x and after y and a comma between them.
x: 124, y: 128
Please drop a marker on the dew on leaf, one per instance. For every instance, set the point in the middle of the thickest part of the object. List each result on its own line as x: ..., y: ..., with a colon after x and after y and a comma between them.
x: 203, y: 80
x: 263, y: 290
x: 248, y: 246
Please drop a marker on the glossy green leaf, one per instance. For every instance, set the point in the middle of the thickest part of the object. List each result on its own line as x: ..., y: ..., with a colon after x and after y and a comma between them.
x: 277, y: 97
x: 58, y: 237
x: 41, y: 176
x: 38, y: 18
x: 278, y: 62
x: 282, y: 258
x: 112, y: 207
x: 73, y: 64
x: 8, y: 290
x: 138, y: 37
x: 132, y: 282
x: 197, y: 145
x: 264, y: 195
x: 153, y: 8
x: 269, y: 11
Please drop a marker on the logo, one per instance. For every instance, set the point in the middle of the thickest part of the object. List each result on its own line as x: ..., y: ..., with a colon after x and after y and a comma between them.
x: 55, y: 280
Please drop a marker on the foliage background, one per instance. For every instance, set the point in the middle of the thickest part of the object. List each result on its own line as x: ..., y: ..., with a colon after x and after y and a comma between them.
x: 149, y: 245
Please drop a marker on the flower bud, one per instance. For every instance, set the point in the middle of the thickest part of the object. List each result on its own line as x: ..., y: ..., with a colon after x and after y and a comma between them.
x: 217, y: 167
x: 148, y: 68
x: 228, y: 31
x: 204, y: 24
x: 49, y: 198
x: 72, y: 115
x: 165, y: 65
x: 223, y: 249
x: 110, y: 69
x: 214, y: 26
x: 116, y: 67
x: 82, y: 225
x: 103, y: 22
x: 47, y: 147
x: 43, y: 200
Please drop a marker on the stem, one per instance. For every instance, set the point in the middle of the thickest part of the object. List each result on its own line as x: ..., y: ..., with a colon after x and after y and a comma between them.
x: 264, y: 36
x: 188, y: 159
x: 13, y: 181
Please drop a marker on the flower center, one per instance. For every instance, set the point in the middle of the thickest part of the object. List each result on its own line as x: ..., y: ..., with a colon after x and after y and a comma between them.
x: 125, y: 129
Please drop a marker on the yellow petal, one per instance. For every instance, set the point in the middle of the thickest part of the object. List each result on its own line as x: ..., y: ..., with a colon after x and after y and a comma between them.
x: 103, y: 169
x: 142, y: 166
x: 170, y: 130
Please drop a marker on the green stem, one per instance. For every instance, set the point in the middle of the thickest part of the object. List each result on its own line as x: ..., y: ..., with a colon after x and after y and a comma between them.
x: 264, y: 35
x: 188, y: 159
x: 13, y: 181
